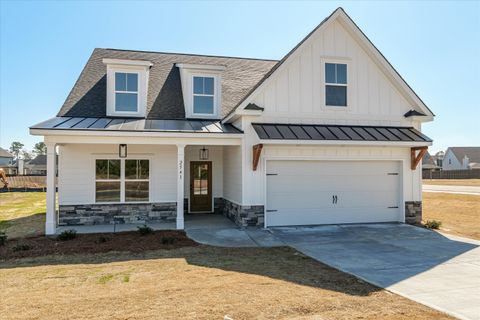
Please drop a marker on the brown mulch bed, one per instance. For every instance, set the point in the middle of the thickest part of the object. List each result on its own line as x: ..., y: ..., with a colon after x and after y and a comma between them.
x: 94, y: 243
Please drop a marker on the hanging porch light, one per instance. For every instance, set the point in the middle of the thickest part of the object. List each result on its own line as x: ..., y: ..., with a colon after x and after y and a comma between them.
x: 203, y: 153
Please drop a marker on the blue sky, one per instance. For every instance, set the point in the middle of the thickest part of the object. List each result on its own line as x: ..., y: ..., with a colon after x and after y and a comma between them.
x: 44, y: 45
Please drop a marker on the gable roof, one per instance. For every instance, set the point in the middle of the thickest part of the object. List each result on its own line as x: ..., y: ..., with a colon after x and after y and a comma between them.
x: 339, y: 12
x: 41, y: 159
x: 5, y: 154
x: 164, y: 98
x: 473, y: 153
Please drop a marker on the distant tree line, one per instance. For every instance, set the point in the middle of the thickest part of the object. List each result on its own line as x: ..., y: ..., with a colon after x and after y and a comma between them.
x: 19, y: 152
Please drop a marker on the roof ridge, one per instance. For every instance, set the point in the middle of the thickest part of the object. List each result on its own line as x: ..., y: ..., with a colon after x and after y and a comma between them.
x: 190, y: 54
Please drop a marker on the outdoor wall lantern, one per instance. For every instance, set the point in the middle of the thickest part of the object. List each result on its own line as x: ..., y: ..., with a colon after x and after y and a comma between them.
x: 122, y: 151
x: 203, y: 154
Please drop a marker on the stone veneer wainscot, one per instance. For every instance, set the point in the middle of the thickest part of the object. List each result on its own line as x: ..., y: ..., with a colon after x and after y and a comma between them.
x: 89, y: 214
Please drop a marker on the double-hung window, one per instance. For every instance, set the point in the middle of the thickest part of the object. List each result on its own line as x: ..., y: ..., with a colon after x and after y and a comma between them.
x: 203, y: 95
x: 122, y: 180
x: 136, y: 180
x: 107, y: 180
x: 126, y: 92
x: 336, y: 84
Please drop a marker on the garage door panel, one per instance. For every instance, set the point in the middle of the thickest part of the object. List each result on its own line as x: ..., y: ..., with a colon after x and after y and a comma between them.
x: 302, y: 192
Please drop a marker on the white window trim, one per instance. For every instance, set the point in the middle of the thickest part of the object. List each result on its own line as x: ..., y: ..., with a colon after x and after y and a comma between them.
x: 187, y: 72
x: 115, y: 92
x: 193, y: 94
x: 348, y: 85
x: 143, y: 72
x: 122, y: 179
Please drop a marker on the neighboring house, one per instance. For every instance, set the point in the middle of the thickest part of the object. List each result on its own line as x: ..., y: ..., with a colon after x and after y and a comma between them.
x: 428, y: 163
x: 329, y: 134
x: 6, y: 162
x: 37, y: 166
x: 461, y: 158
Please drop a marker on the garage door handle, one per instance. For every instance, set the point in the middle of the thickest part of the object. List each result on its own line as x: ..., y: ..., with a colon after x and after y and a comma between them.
x: 272, y: 210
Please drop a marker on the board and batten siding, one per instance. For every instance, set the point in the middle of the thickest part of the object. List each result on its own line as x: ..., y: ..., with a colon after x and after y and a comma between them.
x: 295, y: 93
x: 232, y: 173
x: 76, y: 170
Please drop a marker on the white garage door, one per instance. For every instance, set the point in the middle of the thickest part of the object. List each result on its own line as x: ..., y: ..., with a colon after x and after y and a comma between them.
x: 326, y: 192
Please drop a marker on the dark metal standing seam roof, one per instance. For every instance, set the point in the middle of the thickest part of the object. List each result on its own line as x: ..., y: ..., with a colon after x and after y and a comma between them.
x: 273, y: 131
x: 135, y: 124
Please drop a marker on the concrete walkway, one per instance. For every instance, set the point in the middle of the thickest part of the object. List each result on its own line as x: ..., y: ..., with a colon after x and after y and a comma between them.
x: 437, y: 270
x: 473, y: 190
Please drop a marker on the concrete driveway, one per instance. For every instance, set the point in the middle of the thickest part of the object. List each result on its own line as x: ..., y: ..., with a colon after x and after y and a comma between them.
x: 440, y: 271
x: 473, y: 190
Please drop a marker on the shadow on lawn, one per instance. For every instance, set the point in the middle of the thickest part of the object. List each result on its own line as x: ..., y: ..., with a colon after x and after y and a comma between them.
x: 400, y: 255
x: 28, y: 226
x: 281, y: 263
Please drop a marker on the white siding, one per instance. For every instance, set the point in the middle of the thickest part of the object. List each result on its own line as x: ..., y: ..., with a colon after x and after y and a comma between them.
x: 295, y: 93
x: 450, y: 162
x: 76, y: 181
x: 232, y: 173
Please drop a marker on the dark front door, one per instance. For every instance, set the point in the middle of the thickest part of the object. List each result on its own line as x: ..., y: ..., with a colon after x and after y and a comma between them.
x: 201, y: 186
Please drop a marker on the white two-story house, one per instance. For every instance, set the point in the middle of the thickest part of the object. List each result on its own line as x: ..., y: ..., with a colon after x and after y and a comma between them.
x: 329, y: 134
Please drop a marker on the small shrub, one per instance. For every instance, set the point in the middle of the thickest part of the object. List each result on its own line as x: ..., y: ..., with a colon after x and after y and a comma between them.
x: 3, y: 238
x: 433, y: 224
x: 21, y: 247
x: 168, y: 240
x: 126, y: 279
x: 144, y: 230
x: 67, y: 235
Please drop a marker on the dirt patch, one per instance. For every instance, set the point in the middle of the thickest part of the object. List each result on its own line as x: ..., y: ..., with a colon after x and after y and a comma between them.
x: 94, y: 243
x: 459, y: 213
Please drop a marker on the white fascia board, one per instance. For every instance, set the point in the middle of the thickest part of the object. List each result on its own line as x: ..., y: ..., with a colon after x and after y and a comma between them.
x: 422, y: 118
x: 85, y: 139
x: 347, y: 143
x: 143, y: 134
x: 125, y: 62
x: 200, y: 66
x: 381, y: 61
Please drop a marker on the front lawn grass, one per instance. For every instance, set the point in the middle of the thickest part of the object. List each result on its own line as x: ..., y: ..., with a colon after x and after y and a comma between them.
x: 459, y: 213
x: 22, y: 214
x: 198, y: 282
x: 453, y: 182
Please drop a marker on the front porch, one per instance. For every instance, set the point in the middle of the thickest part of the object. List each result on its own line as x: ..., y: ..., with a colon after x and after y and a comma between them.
x: 97, y: 192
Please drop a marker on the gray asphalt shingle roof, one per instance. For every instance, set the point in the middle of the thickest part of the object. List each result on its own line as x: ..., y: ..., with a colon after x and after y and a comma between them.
x: 473, y: 153
x: 5, y: 154
x: 164, y: 100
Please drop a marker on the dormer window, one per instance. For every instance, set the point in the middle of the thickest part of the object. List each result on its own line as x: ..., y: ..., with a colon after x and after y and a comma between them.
x: 201, y: 88
x: 203, y: 95
x: 126, y: 92
x: 127, y: 82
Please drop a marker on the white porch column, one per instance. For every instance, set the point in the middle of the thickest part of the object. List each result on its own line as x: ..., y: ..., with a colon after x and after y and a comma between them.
x: 51, y: 221
x: 180, y: 184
